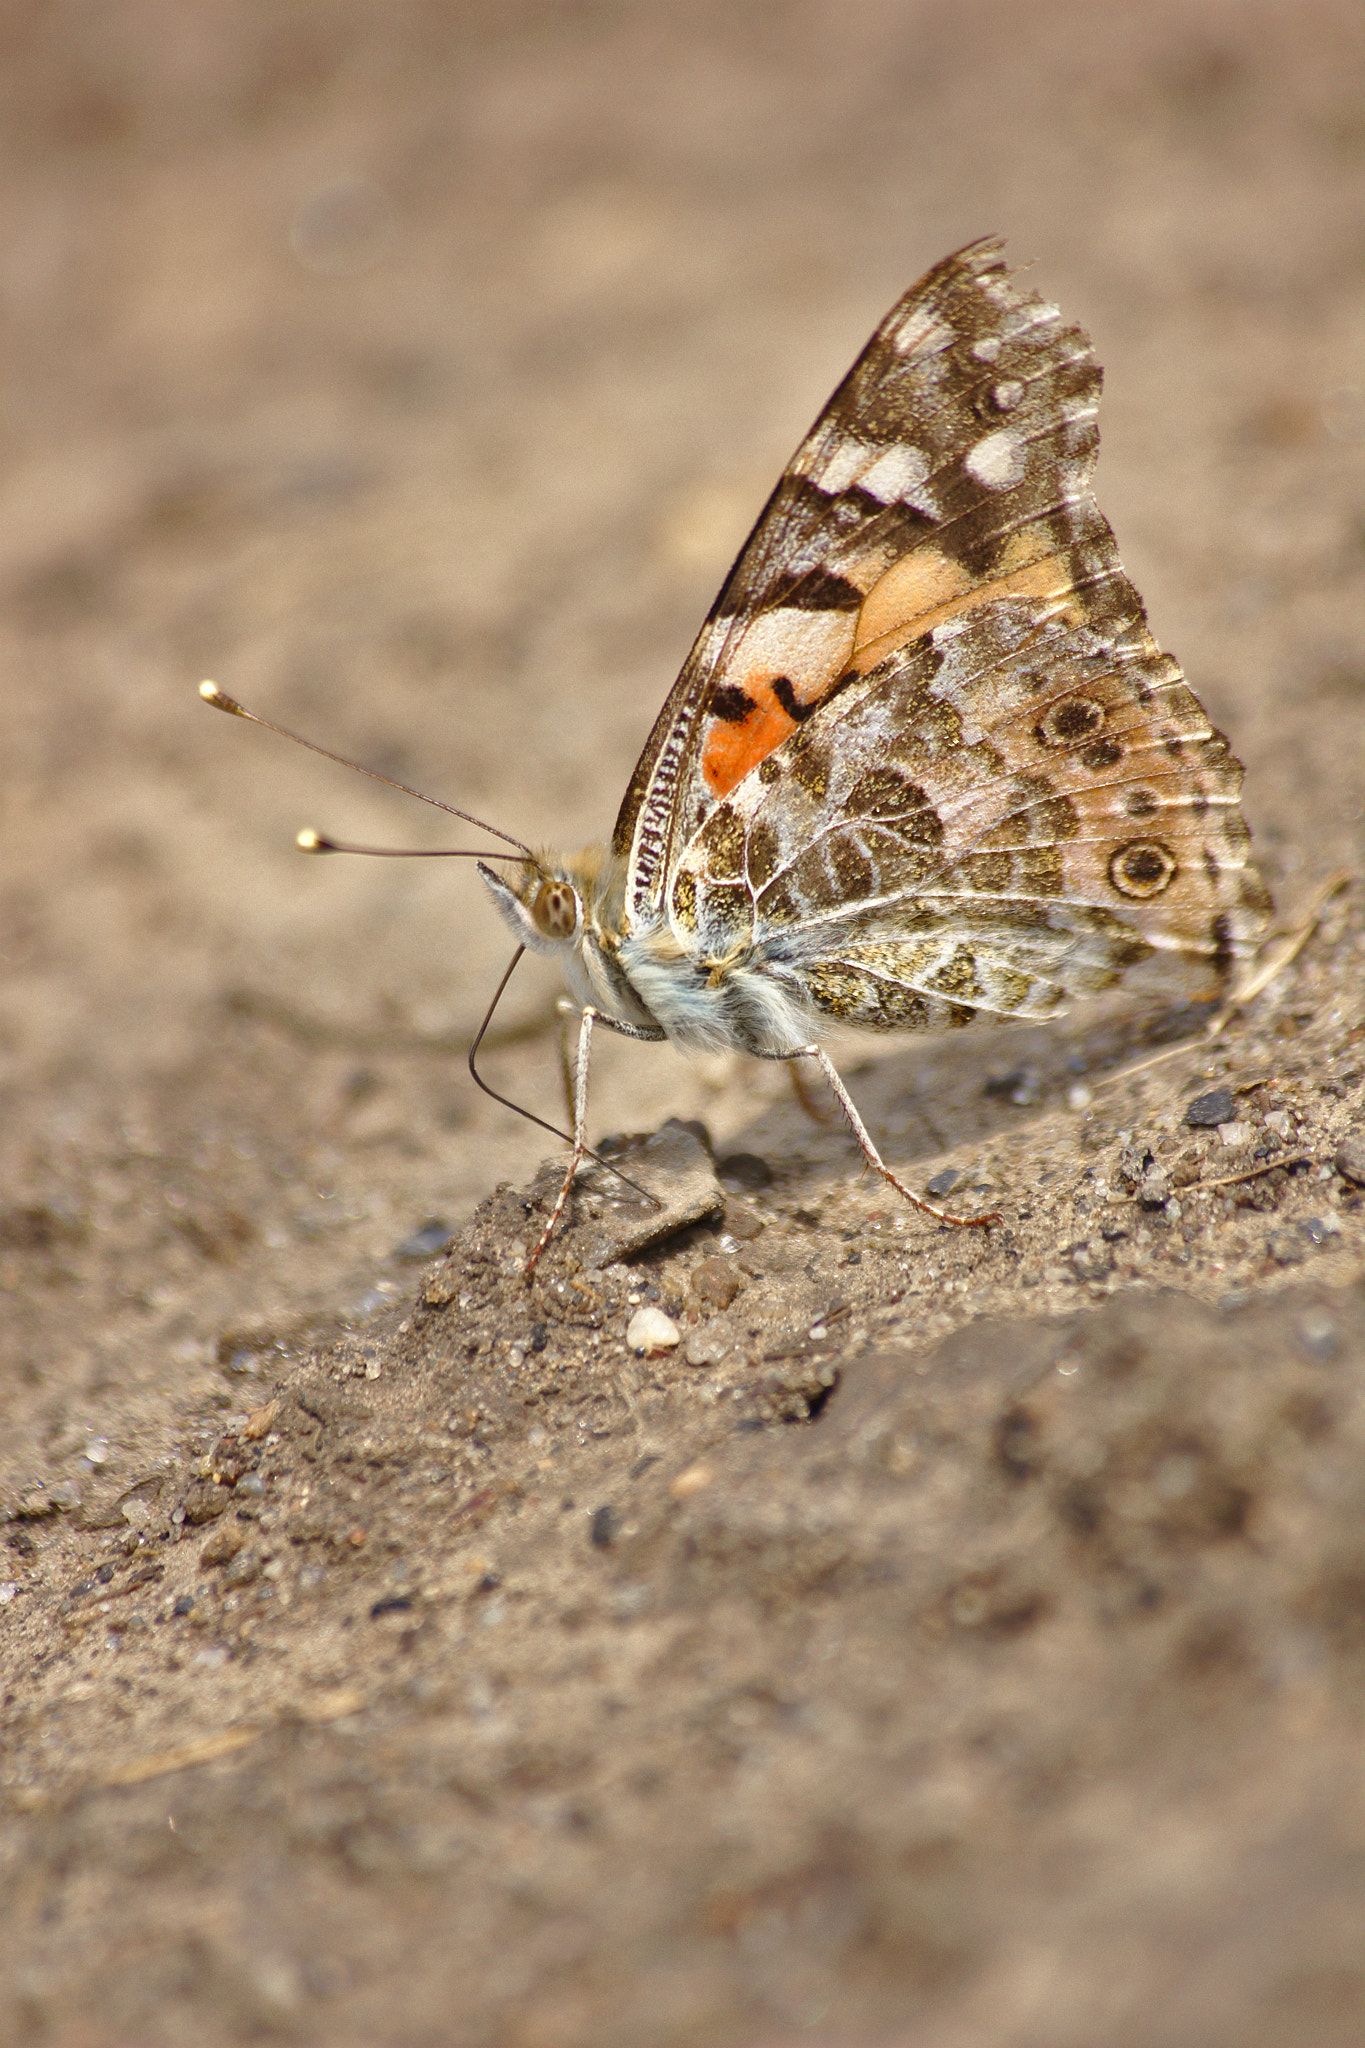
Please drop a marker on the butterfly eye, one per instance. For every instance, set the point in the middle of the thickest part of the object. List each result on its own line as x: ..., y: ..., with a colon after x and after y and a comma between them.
x: 556, y: 910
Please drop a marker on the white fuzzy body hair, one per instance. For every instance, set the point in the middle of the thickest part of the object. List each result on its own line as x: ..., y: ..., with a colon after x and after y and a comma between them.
x: 738, y: 1003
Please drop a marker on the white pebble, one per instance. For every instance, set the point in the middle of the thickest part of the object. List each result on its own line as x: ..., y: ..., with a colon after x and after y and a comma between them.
x: 649, y: 1329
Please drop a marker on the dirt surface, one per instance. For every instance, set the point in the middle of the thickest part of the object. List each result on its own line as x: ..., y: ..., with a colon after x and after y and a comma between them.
x: 956, y: 1637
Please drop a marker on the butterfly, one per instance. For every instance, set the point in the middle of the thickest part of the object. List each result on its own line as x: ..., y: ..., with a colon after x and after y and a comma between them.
x: 925, y: 762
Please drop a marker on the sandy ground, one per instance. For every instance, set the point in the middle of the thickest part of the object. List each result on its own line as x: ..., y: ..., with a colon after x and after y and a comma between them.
x: 958, y: 1638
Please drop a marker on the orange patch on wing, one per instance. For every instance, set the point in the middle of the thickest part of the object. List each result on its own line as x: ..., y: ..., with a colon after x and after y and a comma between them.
x: 927, y: 588
x: 809, y: 649
x: 733, y: 750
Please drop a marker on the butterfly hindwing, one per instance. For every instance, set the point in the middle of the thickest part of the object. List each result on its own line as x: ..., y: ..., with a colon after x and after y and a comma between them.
x: 1005, y: 814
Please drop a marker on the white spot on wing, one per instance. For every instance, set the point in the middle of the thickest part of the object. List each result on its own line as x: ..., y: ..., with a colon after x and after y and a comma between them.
x: 842, y: 463
x: 809, y: 648
x: 895, y: 473
x: 997, y: 462
x: 987, y: 349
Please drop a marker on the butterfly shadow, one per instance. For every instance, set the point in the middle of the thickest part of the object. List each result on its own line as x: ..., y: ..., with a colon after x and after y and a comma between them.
x: 950, y: 1093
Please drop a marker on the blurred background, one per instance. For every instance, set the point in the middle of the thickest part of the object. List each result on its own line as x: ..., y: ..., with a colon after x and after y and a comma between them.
x: 414, y: 372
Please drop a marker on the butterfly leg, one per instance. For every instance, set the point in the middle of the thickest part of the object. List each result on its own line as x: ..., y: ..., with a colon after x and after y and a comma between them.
x: 580, y: 1142
x: 869, y: 1150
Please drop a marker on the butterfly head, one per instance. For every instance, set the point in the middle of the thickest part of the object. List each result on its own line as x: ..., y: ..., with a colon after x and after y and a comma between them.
x: 547, y: 901
x: 540, y: 904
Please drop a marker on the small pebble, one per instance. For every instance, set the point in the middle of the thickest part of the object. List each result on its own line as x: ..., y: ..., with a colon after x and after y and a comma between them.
x: 243, y: 1570
x: 715, y: 1283
x: 1234, y: 1135
x: 943, y: 1182
x: 605, y: 1523
x: 650, y: 1331
x: 693, y: 1479
x: 1350, y: 1159
x: 742, y: 1223
x: 204, y: 1501
x: 222, y: 1545
x: 706, y: 1346
x: 1207, y: 1111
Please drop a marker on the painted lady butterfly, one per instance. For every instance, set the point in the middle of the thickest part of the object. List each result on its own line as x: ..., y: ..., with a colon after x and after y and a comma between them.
x: 925, y: 761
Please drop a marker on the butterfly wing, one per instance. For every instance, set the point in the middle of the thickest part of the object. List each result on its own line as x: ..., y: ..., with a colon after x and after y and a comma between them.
x: 951, y: 461
x: 925, y: 750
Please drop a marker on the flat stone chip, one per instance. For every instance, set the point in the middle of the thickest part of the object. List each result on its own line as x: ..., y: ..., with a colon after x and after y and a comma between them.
x: 678, y: 1171
x: 1207, y: 1111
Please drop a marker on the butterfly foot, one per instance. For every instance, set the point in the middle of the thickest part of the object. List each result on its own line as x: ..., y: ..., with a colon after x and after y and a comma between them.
x: 528, y: 1271
x: 874, y: 1158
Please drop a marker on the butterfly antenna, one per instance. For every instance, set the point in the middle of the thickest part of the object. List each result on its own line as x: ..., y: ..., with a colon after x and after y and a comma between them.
x: 221, y: 701
x: 530, y: 1115
x: 310, y: 841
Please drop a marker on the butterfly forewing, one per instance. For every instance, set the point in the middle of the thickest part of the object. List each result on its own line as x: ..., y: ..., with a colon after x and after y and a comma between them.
x: 954, y: 454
